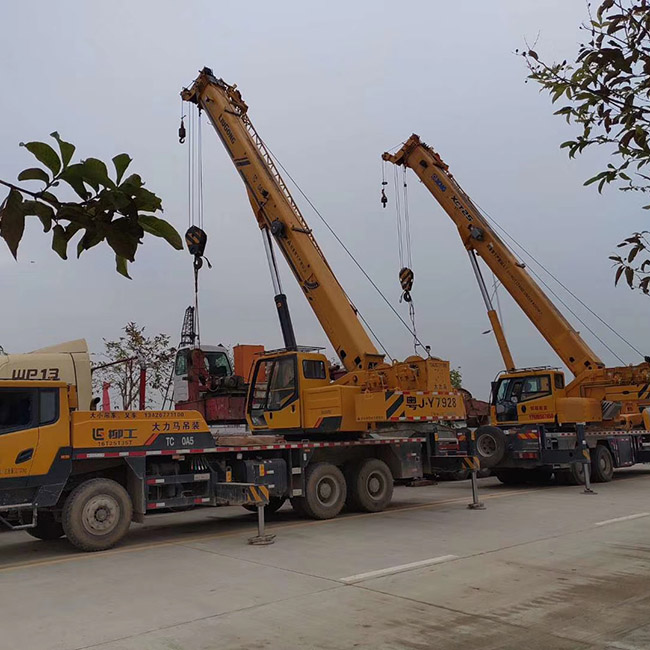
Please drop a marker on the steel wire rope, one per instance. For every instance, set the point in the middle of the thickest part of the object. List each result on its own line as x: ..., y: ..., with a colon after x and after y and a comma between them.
x: 348, y: 252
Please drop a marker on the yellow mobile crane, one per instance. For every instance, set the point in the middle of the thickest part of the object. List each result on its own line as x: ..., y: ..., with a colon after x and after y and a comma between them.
x: 610, y: 401
x: 291, y: 390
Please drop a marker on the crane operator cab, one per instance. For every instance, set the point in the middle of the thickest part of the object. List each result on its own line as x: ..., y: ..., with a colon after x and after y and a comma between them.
x: 526, y: 396
x: 281, y: 394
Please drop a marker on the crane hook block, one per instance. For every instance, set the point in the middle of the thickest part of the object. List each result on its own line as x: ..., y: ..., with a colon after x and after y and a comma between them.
x: 182, y: 133
x: 196, y: 239
x: 406, y: 282
x: 384, y: 198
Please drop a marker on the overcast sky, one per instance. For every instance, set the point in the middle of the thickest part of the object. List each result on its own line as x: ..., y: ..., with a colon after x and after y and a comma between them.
x: 330, y: 86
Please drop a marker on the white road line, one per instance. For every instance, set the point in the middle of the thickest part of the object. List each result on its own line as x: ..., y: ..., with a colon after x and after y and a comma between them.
x: 615, y: 521
x: 396, y: 569
x: 623, y: 646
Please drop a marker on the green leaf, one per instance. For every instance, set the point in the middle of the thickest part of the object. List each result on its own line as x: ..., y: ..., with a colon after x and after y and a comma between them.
x: 91, y: 238
x: 44, y: 154
x: 122, y: 266
x: 49, y: 197
x: 34, y: 174
x: 629, y: 276
x: 146, y: 201
x: 123, y: 236
x: 96, y: 174
x: 161, y: 228
x: 619, y: 272
x: 67, y: 149
x: 42, y: 210
x: 60, y: 241
x: 12, y: 221
x: 73, y: 176
x: 121, y: 162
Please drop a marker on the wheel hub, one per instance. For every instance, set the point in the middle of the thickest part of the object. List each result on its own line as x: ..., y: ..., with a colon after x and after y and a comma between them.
x: 100, y: 514
x: 327, y: 491
x: 375, y: 485
x: 486, y: 446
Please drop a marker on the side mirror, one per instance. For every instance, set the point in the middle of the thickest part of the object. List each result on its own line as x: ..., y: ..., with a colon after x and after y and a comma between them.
x: 514, y: 400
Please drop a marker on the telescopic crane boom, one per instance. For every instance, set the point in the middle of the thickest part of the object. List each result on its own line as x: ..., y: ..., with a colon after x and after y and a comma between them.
x: 278, y: 215
x: 291, y: 388
x: 479, y: 238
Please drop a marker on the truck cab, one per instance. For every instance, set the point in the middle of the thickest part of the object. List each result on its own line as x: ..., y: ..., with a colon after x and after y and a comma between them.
x: 34, y: 436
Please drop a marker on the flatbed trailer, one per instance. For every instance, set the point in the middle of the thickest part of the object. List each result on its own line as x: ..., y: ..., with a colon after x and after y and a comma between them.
x: 106, y: 469
x: 535, y: 454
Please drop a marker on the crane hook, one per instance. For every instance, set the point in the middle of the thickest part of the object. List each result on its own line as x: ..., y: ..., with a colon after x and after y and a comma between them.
x: 182, y: 134
x: 406, y: 281
x: 384, y: 198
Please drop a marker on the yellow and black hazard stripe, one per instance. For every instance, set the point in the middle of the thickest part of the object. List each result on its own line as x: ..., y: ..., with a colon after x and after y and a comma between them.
x: 644, y: 392
x: 394, y: 405
x: 258, y: 494
x: 472, y: 462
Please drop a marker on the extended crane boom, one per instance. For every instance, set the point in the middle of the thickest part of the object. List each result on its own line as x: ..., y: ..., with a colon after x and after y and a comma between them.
x: 479, y: 237
x: 278, y: 214
x: 291, y: 389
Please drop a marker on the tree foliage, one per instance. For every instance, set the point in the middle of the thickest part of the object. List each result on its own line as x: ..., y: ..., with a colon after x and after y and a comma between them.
x: 110, y: 207
x: 456, y: 377
x: 134, y: 348
x: 606, y: 94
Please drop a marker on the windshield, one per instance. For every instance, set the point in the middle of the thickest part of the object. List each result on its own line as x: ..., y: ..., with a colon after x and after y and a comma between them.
x: 523, y: 388
x: 218, y: 363
x: 274, y: 385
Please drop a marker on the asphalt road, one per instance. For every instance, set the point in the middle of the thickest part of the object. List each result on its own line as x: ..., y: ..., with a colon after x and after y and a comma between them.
x: 540, y: 569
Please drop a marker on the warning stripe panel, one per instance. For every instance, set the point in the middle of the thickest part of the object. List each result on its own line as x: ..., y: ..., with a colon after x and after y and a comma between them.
x: 300, y: 445
x: 431, y: 392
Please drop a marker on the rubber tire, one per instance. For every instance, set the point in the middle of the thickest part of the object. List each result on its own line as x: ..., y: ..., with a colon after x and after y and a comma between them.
x: 600, y: 456
x: 313, y: 507
x: 73, y: 526
x: 571, y: 476
x: 359, y: 497
x: 47, y: 528
x: 511, y: 476
x: 274, y: 504
x: 499, y: 441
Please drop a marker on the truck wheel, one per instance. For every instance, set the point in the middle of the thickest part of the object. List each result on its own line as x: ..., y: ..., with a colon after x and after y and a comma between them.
x: 97, y: 514
x: 325, y: 491
x: 47, y: 527
x: 490, y: 446
x: 369, y: 485
x: 274, y: 504
x: 511, y: 476
x: 574, y: 475
x: 602, y: 464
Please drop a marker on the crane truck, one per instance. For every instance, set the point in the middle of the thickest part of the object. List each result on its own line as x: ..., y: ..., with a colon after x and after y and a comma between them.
x: 319, y: 441
x: 537, y: 417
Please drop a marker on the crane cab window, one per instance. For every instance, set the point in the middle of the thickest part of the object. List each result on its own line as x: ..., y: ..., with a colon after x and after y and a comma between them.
x: 559, y: 381
x: 180, y: 368
x: 313, y: 369
x: 274, y: 385
x: 17, y: 409
x: 522, y: 389
x: 217, y: 364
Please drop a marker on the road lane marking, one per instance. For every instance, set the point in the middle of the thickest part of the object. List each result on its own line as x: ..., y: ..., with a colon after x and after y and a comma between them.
x: 617, y: 519
x: 400, y: 568
x: 180, y: 541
